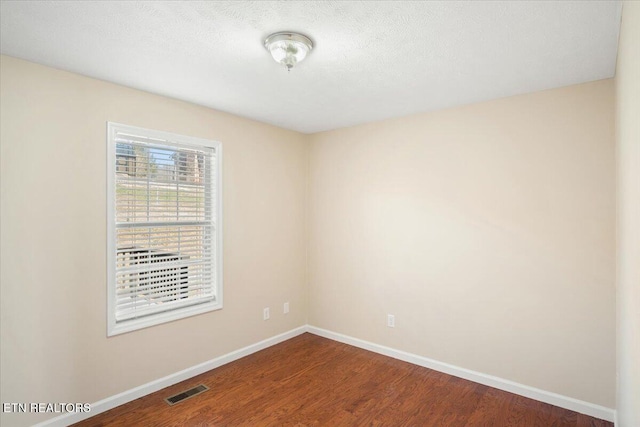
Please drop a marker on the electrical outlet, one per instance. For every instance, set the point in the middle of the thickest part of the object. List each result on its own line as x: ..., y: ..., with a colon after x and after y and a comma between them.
x: 391, y: 320
x: 265, y: 314
x: 285, y: 309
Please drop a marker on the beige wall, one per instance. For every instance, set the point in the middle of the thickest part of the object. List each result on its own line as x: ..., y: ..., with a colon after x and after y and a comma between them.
x: 628, y: 157
x: 53, y: 268
x: 487, y: 230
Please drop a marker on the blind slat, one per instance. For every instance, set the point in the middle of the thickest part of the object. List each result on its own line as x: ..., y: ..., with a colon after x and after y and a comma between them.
x: 153, y: 291
x: 159, y: 224
x: 141, y: 311
x: 165, y: 227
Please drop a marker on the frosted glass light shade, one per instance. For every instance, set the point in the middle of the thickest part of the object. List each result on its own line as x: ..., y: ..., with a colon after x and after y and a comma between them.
x: 288, y: 48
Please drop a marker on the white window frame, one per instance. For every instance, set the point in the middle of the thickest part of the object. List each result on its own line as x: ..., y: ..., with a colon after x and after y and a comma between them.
x: 113, y: 327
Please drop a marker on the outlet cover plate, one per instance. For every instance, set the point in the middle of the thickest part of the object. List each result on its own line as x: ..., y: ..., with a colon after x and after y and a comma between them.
x: 391, y: 320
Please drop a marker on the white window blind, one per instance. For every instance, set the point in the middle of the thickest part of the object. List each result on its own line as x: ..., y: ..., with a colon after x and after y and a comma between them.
x: 164, y: 232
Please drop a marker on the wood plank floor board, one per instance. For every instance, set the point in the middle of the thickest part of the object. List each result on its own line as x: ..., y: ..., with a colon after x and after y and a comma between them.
x: 492, y: 409
x: 313, y: 381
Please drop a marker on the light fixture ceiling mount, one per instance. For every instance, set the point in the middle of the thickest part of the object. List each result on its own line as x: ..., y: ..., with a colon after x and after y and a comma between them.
x: 288, y: 48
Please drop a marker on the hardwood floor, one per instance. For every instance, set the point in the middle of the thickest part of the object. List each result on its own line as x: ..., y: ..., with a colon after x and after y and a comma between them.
x: 313, y: 381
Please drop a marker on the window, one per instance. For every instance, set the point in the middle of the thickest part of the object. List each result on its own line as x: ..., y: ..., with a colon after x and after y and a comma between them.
x: 164, y: 227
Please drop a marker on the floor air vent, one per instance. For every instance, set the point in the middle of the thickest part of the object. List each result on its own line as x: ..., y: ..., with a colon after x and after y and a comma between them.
x: 186, y: 394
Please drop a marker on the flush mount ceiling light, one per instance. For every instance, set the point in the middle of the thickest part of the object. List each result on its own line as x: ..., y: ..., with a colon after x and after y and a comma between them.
x: 288, y: 48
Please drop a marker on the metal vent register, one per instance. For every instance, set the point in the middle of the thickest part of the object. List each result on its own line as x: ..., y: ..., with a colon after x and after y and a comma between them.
x: 186, y: 394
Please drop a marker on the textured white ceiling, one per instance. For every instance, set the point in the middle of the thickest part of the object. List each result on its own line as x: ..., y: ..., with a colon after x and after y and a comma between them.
x: 372, y: 60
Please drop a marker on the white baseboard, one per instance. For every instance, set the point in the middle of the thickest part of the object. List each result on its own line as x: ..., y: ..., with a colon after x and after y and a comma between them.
x: 570, y: 403
x: 153, y: 386
x: 478, y: 377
